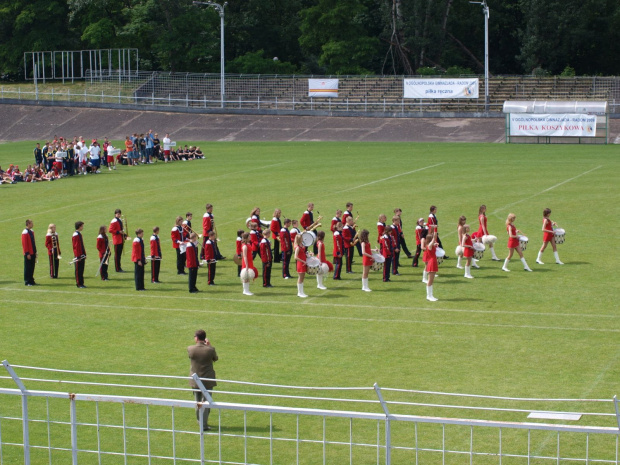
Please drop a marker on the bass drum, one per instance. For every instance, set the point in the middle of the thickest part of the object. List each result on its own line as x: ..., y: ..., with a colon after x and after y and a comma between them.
x: 313, y: 266
x: 308, y: 238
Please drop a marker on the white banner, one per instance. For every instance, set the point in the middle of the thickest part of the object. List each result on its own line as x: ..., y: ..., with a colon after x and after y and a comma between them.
x: 440, y: 88
x: 558, y: 125
x: 322, y: 87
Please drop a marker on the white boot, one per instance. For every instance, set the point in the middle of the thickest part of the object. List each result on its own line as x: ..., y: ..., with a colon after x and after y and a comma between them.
x: 493, y: 254
x: 424, y: 277
x: 505, y: 267
x: 458, y: 262
x: 300, y: 290
x: 429, y: 294
x: 468, y: 272
x: 525, y: 267
x: 246, y: 289
x: 539, y: 258
x: 475, y: 263
x: 365, y: 285
x: 557, y: 258
x: 319, y: 282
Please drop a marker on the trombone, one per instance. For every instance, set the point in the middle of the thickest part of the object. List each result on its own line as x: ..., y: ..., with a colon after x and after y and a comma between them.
x: 55, y: 246
x: 125, y: 227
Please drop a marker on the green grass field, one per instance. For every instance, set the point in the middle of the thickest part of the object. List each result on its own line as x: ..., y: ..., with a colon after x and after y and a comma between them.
x: 553, y: 333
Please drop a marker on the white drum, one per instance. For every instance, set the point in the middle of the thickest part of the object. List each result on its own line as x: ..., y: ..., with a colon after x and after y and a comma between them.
x: 489, y: 239
x: 324, y: 269
x: 247, y: 275
x: 458, y: 251
x: 523, y: 240
x: 308, y: 238
x: 377, y: 264
x: 479, y: 249
x: 313, y: 266
x: 559, y: 235
x: 440, y: 253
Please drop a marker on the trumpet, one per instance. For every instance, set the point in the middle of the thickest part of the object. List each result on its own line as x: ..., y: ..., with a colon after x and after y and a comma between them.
x: 217, y: 236
x: 191, y: 230
x: 55, y: 245
x: 125, y: 228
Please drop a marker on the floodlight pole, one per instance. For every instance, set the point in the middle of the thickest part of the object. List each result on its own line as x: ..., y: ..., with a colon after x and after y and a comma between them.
x: 485, y: 11
x: 220, y: 10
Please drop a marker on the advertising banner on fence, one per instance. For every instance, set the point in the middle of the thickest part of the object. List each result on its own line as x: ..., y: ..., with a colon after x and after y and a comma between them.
x: 440, y: 88
x: 322, y: 87
x: 558, y: 125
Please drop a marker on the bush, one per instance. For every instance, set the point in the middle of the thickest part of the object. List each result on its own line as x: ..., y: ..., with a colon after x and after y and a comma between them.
x: 568, y: 72
x: 257, y: 63
x: 540, y: 72
x: 428, y: 71
x: 458, y: 71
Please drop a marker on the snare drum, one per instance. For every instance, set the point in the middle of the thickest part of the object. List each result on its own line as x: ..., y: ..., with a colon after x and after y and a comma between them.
x: 378, y: 261
x: 523, y: 240
x: 313, y: 266
x: 440, y: 253
x: 479, y: 249
x: 559, y: 235
x: 308, y: 238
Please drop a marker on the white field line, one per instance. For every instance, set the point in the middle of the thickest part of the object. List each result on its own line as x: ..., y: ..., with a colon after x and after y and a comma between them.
x: 256, y: 300
x: 321, y: 317
x: 141, y: 192
x: 388, y: 178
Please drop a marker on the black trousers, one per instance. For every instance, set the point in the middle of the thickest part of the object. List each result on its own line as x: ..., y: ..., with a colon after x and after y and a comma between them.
x: 276, y: 251
x: 118, y: 252
x: 53, y: 265
x: 104, y: 271
x: 200, y: 399
x: 286, y: 260
x: 212, y: 272
x: 266, y: 274
x: 79, y: 272
x: 386, y: 268
x: 155, y: 265
x: 418, y: 251
x: 403, y: 246
x: 138, y: 276
x: 29, y: 269
x: 395, y: 262
x: 337, y: 267
x: 180, y: 262
x: 348, y: 256
x: 192, y: 278
x: 359, y: 249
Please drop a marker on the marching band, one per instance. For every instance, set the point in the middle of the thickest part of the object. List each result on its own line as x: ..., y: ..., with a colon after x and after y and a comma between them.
x: 282, y: 241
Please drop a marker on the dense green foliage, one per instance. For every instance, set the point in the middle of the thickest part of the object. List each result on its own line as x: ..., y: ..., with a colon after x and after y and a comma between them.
x: 324, y: 36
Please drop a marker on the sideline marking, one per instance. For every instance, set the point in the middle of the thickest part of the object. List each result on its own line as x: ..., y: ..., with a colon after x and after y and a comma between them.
x: 322, y: 317
x: 391, y: 177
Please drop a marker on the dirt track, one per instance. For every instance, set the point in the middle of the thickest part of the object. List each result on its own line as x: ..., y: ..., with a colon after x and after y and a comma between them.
x: 41, y: 123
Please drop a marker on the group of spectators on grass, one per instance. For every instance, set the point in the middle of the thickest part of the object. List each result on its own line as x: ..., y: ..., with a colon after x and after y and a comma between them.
x: 61, y: 157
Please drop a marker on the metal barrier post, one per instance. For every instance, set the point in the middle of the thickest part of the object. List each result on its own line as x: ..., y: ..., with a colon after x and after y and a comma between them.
x: 25, y: 427
x: 388, y: 432
x: 617, y: 411
x: 74, y: 448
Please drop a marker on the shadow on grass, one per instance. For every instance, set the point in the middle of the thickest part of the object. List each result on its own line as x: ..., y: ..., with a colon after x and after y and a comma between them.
x: 248, y: 429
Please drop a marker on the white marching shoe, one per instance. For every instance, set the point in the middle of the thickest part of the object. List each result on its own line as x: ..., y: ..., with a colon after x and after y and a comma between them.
x: 365, y: 285
x: 525, y: 267
x: 458, y: 262
x: 539, y: 258
x: 300, y: 290
x: 425, y: 277
x: 468, y: 272
x: 474, y: 262
x: 505, y: 267
x: 246, y: 289
x: 429, y: 294
x: 494, y: 257
x: 557, y: 258
x: 319, y: 282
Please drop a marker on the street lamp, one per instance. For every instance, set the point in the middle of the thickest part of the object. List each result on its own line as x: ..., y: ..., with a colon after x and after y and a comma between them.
x: 220, y: 10
x: 485, y: 10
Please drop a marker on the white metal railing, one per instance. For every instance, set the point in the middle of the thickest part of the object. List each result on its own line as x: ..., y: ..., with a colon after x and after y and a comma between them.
x: 108, y: 419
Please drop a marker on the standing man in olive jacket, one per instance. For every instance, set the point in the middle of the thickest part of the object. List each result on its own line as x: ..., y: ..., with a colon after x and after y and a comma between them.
x: 202, y: 355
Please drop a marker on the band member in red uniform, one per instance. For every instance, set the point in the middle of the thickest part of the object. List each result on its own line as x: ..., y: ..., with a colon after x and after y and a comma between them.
x: 336, y: 219
x: 348, y: 233
x: 403, y: 243
x: 155, y: 255
x: 338, y: 250
x: 387, y: 250
x: 30, y: 253
x: 178, y: 244
x: 294, y: 231
x: 380, y: 227
x: 191, y: 256
x: 187, y: 224
x: 513, y: 242
x: 103, y: 247
x: 246, y: 262
x: 53, y: 249
x: 255, y: 237
x: 275, y: 227
x: 367, y: 259
x: 238, y: 246
x: 431, y: 264
x: 307, y: 218
x: 396, y: 235
x: 300, y: 260
x: 349, y: 213
x: 483, y: 231
x: 208, y: 225
x: 266, y: 257
x: 320, y: 245
x: 79, y: 254
x: 255, y: 218
x: 139, y: 260
x: 118, y: 239
x: 548, y: 238
x: 209, y: 256
x: 468, y: 250
x: 432, y: 220
x: 286, y: 244
x: 418, y: 240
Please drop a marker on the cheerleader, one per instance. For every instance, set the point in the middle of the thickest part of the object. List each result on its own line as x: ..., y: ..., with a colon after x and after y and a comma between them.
x: 238, y: 246
x: 431, y: 264
x: 513, y: 242
x: 53, y: 249
x: 247, y: 263
x: 103, y: 247
x: 483, y: 231
x: 548, y: 237
x: 367, y: 259
x: 424, y: 237
x: 320, y: 244
x: 300, y: 259
x: 432, y: 220
x: 468, y: 250
x: 459, y: 249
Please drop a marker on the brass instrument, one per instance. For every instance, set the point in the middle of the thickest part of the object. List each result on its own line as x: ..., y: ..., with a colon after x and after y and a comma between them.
x: 125, y: 228
x: 191, y: 230
x: 76, y: 259
x: 355, y: 239
x: 217, y: 236
x: 55, y: 245
x: 314, y: 225
x: 104, y: 260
